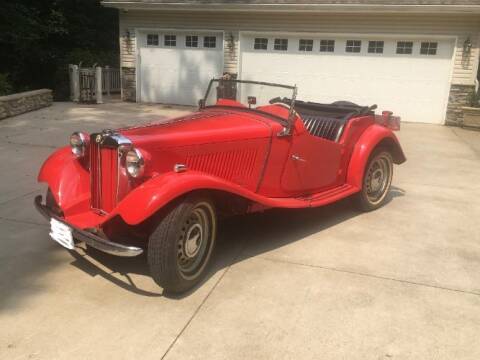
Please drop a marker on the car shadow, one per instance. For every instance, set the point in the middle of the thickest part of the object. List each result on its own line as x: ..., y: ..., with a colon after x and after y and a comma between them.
x: 239, y: 238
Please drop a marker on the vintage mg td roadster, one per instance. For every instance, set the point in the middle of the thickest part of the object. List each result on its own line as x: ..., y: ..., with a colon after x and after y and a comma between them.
x: 161, y: 188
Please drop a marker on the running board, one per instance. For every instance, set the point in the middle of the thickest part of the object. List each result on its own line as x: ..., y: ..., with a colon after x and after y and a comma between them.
x: 318, y: 199
x: 332, y: 195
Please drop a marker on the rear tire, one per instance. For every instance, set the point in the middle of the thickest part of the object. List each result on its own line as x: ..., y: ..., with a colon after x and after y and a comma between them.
x: 377, y: 180
x: 180, y: 248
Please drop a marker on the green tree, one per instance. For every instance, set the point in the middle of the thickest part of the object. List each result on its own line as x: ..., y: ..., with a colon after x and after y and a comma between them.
x: 38, y: 38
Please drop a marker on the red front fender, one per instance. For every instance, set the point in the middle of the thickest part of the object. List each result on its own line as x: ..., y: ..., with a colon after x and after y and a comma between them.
x: 68, y: 180
x: 151, y: 196
x: 372, y: 137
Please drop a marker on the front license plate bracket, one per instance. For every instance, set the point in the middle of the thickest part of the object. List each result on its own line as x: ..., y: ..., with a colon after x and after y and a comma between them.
x: 61, y: 233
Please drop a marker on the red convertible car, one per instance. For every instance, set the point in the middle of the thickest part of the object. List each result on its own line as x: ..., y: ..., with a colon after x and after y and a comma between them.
x: 251, y: 146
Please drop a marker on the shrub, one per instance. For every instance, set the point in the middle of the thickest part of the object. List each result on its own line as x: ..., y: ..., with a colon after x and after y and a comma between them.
x: 474, y: 99
x: 89, y: 58
x: 5, y: 86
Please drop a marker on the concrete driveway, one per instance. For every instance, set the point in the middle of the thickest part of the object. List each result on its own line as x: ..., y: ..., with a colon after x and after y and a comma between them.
x: 402, y: 282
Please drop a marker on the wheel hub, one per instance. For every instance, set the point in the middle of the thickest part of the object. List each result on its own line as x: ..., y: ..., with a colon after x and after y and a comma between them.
x: 378, y: 177
x: 376, y: 180
x: 193, y: 240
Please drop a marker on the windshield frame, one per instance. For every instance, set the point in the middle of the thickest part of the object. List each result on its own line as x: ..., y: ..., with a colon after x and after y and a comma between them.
x: 291, y: 113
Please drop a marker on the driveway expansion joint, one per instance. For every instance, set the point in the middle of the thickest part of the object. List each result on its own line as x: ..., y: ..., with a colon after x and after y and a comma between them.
x: 197, y: 310
x: 475, y: 151
x: 22, y: 221
x: 31, y: 145
x: 19, y: 197
x: 379, y: 277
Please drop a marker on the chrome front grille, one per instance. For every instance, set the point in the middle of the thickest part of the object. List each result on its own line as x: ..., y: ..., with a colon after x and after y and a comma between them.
x: 103, y: 175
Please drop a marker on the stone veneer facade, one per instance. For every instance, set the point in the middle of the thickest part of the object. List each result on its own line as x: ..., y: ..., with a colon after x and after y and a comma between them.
x: 129, y: 90
x: 20, y: 103
x: 458, y: 98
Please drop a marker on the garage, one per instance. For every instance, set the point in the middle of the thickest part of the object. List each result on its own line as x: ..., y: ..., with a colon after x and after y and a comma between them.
x: 409, y: 76
x: 174, y: 67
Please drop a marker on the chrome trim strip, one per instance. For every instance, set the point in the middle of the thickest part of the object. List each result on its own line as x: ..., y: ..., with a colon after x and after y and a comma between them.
x: 180, y: 168
x: 99, y: 176
x: 111, y: 139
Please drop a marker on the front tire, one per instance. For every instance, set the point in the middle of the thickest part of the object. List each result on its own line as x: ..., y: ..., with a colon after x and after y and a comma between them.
x: 180, y: 248
x: 377, y: 180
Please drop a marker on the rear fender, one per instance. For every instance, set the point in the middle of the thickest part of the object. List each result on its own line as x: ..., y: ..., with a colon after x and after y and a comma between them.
x: 372, y: 137
x: 145, y: 200
x: 68, y: 180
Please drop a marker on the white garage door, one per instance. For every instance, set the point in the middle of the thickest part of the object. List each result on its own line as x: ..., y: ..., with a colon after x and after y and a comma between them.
x: 407, y: 76
x: 175, y: 67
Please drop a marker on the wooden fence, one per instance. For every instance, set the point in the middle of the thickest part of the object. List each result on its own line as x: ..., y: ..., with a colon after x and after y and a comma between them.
x: 110, y: 80
x: 89, y: 84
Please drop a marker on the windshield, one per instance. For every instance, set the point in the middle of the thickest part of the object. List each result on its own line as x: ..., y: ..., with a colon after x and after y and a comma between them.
x: 250, y: 94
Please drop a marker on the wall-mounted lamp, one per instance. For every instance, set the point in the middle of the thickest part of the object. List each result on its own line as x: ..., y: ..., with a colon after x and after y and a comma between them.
x: 467, y: 46
x: 128, y: 41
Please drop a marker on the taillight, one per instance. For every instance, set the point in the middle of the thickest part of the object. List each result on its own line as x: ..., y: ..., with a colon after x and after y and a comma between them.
x: 388, y: 120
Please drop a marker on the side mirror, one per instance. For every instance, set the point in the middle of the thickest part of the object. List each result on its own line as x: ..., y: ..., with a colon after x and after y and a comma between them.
x: 201, y: 103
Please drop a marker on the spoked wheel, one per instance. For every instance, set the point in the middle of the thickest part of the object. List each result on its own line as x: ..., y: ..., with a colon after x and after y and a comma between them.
x: 181, y: 246
x: 376, y: 181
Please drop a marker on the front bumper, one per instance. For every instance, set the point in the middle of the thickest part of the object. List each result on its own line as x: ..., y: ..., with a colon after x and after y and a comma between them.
x: 89, y: 238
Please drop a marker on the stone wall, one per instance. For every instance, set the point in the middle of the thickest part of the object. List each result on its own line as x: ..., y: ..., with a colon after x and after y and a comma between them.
x: 128, y: 84
x: 20, y: 103
x: 459, y: 95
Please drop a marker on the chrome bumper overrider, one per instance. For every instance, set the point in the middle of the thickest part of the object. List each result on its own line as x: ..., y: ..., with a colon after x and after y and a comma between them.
x: 89, y: 238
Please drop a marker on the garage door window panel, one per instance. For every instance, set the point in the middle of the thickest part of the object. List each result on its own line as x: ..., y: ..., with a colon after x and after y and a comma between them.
x: 405, y: 47
x: 260, y: 44
x: 420, y: 95
x: 280, y: 44
x: 353, y: 46
x: 305, y: 45
x: 170, y: 40
x: 210, y: 42
x: 191, y: 41
x: 185, y: 69
x: 152, y: 40
x: 375, y: 47
x: 429, y: 48
x: 327, y: 45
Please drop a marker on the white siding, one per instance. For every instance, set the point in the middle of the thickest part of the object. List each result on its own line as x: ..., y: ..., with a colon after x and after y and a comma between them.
x: 460, y: 26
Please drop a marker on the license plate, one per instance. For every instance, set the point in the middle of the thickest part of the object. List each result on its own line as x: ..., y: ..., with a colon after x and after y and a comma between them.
x: 61, y: 233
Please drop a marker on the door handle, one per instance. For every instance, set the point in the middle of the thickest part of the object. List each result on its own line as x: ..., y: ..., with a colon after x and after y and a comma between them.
x: 298, y: 158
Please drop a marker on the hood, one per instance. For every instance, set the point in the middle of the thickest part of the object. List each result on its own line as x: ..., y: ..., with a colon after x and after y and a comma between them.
x: 204, y: 127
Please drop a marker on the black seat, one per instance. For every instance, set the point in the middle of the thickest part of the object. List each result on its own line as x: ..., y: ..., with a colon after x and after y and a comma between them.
x: 325, y: 127
x: 327, y: 120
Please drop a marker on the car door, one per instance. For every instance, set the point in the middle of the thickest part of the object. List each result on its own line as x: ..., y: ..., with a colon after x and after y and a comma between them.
x: 313, y: 164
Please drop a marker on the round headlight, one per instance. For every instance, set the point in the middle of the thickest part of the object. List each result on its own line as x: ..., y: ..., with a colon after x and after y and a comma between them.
x: 135, y: 163
x: 78, y: 142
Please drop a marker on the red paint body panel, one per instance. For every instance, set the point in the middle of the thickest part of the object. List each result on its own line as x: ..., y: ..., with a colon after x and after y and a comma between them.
x: 312, y: 164
x: 215, y: 125
x: 368, y: 141
x: 226, y: 148
x: 68, y: 179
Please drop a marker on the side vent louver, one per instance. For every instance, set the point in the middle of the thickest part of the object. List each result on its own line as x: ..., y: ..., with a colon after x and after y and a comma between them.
x: 236, y: 166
